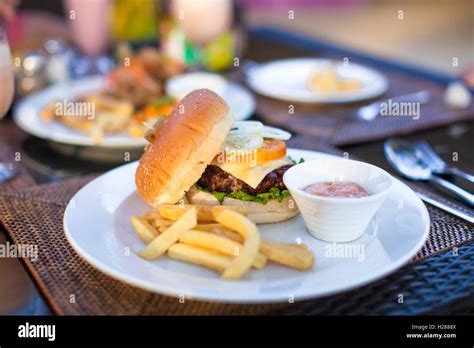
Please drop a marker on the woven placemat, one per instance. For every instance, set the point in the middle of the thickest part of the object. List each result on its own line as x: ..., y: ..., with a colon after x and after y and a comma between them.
x: 446, y: 230
x: 71, y: 286
x: 335, y: 123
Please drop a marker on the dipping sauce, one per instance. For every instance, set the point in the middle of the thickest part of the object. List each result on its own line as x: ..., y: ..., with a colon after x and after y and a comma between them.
x: 336, y: 189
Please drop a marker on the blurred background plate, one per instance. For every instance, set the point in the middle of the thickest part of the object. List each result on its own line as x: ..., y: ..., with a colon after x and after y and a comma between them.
x: 287, y: 79
x: 27, y: 115
x: 241, y: 102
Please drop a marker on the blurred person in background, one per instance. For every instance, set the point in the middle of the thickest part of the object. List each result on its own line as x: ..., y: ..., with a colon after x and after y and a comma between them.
x: 29, y: 22
x: 33, y: 22
x: 7, y: 10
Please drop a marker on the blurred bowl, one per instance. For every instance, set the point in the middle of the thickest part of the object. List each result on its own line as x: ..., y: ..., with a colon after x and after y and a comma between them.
x: 181, y: 85
x: 241, y: 102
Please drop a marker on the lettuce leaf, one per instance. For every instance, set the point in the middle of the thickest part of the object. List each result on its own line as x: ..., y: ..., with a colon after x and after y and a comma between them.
x: 219, y: 196
x: 294, y: 161
x: 262, y: 198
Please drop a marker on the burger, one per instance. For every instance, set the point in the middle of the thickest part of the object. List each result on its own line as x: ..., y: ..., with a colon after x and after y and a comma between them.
x: 200, y: 153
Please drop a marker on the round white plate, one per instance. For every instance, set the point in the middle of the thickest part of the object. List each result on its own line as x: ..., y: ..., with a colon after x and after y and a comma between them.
x: 97, y: 225
x: 241, y: 102
x: 27, y: 116
x: 287, y: 80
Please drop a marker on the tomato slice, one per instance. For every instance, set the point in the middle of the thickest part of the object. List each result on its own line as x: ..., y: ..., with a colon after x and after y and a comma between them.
x: 271, y: 149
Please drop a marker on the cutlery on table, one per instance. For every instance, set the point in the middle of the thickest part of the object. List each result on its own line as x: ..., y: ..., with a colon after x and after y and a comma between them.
x: 436, y: 164
x: 371, y: 111
x: 454, y: 211
x: 407, y: 161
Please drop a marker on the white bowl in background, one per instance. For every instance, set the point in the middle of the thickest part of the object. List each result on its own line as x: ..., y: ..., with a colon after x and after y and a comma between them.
x: 181, y: 85
x: 337, y: 219
x: 241, y: 102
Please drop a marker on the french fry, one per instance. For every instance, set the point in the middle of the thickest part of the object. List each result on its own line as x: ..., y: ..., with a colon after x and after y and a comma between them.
x: 155, y: 219
x: 287, y: 254
x: 204, y: 212
x: 301, y: 245
x: 216, y: 237
x: 144, y: 230
x: 220, y: 230
x: 218, y: 243
x: 150, y: 215
x: 160, y: 222
x: 162, y: 229
x: 161, y: 243
x: 199, y: 256
x: 245, y: 227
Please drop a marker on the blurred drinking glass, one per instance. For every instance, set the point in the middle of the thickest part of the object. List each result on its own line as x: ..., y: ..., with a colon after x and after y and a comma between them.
x: 6, y: 94
x: 202, y: 20
x: 88, y: 20
x: 206, y: 25
x: 6, y: 75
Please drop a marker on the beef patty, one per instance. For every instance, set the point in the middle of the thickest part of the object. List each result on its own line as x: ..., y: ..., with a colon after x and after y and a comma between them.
x: 216, y: 179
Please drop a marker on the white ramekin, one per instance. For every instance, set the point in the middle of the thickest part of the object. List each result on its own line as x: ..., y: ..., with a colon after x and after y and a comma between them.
x: 337, y: 219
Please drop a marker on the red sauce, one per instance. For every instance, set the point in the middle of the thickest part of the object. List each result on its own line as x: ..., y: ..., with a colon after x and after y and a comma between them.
x: 336, y: 189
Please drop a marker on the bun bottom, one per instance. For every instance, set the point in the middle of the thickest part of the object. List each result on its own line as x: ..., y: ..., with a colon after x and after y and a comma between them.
x: 271, y: 212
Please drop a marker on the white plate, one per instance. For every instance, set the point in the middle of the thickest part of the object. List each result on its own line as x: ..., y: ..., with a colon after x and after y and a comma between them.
x: 97, y: 225
x: 28, y: 111
x: 287, y: 80
x: 241, y: 102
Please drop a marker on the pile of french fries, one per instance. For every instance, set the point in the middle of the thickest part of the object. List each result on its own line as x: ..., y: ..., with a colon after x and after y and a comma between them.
x: 217, y: 237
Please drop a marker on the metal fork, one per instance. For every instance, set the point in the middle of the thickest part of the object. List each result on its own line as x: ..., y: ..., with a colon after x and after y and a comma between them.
x: 436, y: 164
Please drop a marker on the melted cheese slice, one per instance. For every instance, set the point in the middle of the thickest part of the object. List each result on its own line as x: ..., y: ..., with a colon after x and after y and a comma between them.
x: 253, y: 175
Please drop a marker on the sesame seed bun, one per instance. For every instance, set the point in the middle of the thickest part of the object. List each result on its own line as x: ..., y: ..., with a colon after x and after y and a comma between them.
x: 188, y: 140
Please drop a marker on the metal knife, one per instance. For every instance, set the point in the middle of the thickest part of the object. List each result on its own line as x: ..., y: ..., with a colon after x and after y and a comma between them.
x: 447, y: 208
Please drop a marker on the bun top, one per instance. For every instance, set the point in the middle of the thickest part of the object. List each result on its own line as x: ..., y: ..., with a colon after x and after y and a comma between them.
x: 188, y: 140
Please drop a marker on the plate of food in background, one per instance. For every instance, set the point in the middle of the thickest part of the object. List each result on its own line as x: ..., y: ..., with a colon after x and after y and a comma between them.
x: 116, y: 110
x: 212, y: 212
x: 105, y: 111
x: 314, y: 80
